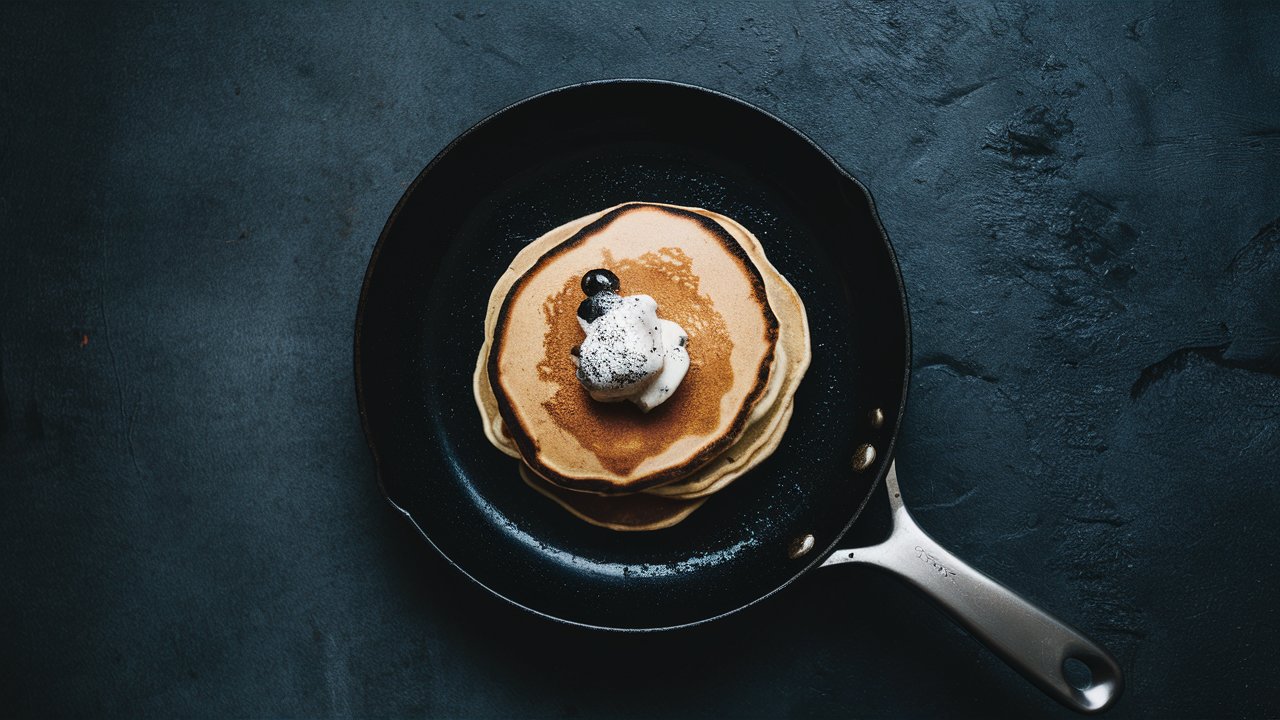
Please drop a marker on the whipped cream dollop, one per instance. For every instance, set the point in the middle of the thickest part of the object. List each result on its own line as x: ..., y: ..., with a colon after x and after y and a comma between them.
x: 629, y: 353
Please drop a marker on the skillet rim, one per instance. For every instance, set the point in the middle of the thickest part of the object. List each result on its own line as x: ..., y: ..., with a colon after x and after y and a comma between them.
x: 817, y: 558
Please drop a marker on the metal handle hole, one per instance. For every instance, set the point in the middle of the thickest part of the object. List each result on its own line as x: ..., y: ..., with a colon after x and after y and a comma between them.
x: 1077, y: 673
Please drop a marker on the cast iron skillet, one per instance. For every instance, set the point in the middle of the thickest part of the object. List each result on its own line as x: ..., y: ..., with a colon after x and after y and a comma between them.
x: 570, y: 152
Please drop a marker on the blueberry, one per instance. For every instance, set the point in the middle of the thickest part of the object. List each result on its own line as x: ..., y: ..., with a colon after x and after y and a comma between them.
x: 600, y: 280
x: 597, y: 305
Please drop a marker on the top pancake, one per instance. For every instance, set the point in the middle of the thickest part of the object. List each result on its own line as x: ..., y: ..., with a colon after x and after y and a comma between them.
x: 702, y: 279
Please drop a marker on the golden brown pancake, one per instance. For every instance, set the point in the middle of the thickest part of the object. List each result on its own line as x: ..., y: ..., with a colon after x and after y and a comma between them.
x: 703, y: 279
x: 764, y: 433
x: 764, y: 430
x: 616, y: 512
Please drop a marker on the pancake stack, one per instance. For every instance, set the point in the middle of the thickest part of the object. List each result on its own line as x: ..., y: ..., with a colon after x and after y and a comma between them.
x: 611, y: 464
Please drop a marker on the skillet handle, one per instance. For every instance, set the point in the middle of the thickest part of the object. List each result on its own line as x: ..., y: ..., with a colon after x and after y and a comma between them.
x: 1033, y: 642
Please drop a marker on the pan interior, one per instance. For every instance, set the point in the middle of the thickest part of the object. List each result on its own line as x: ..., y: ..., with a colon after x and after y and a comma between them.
x: 560, y: 156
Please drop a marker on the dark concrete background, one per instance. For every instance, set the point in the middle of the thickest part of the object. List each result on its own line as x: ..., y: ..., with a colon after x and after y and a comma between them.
x: 1085, y: 198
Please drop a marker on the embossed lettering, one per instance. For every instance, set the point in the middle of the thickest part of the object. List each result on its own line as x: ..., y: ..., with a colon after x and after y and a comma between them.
x: 937, y: 565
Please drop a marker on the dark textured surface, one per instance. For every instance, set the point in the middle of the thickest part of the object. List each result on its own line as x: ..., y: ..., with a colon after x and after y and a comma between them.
x: 1084, y: 199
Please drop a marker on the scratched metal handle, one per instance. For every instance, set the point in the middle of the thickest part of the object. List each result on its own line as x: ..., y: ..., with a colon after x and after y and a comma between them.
x: 1033, y: 642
